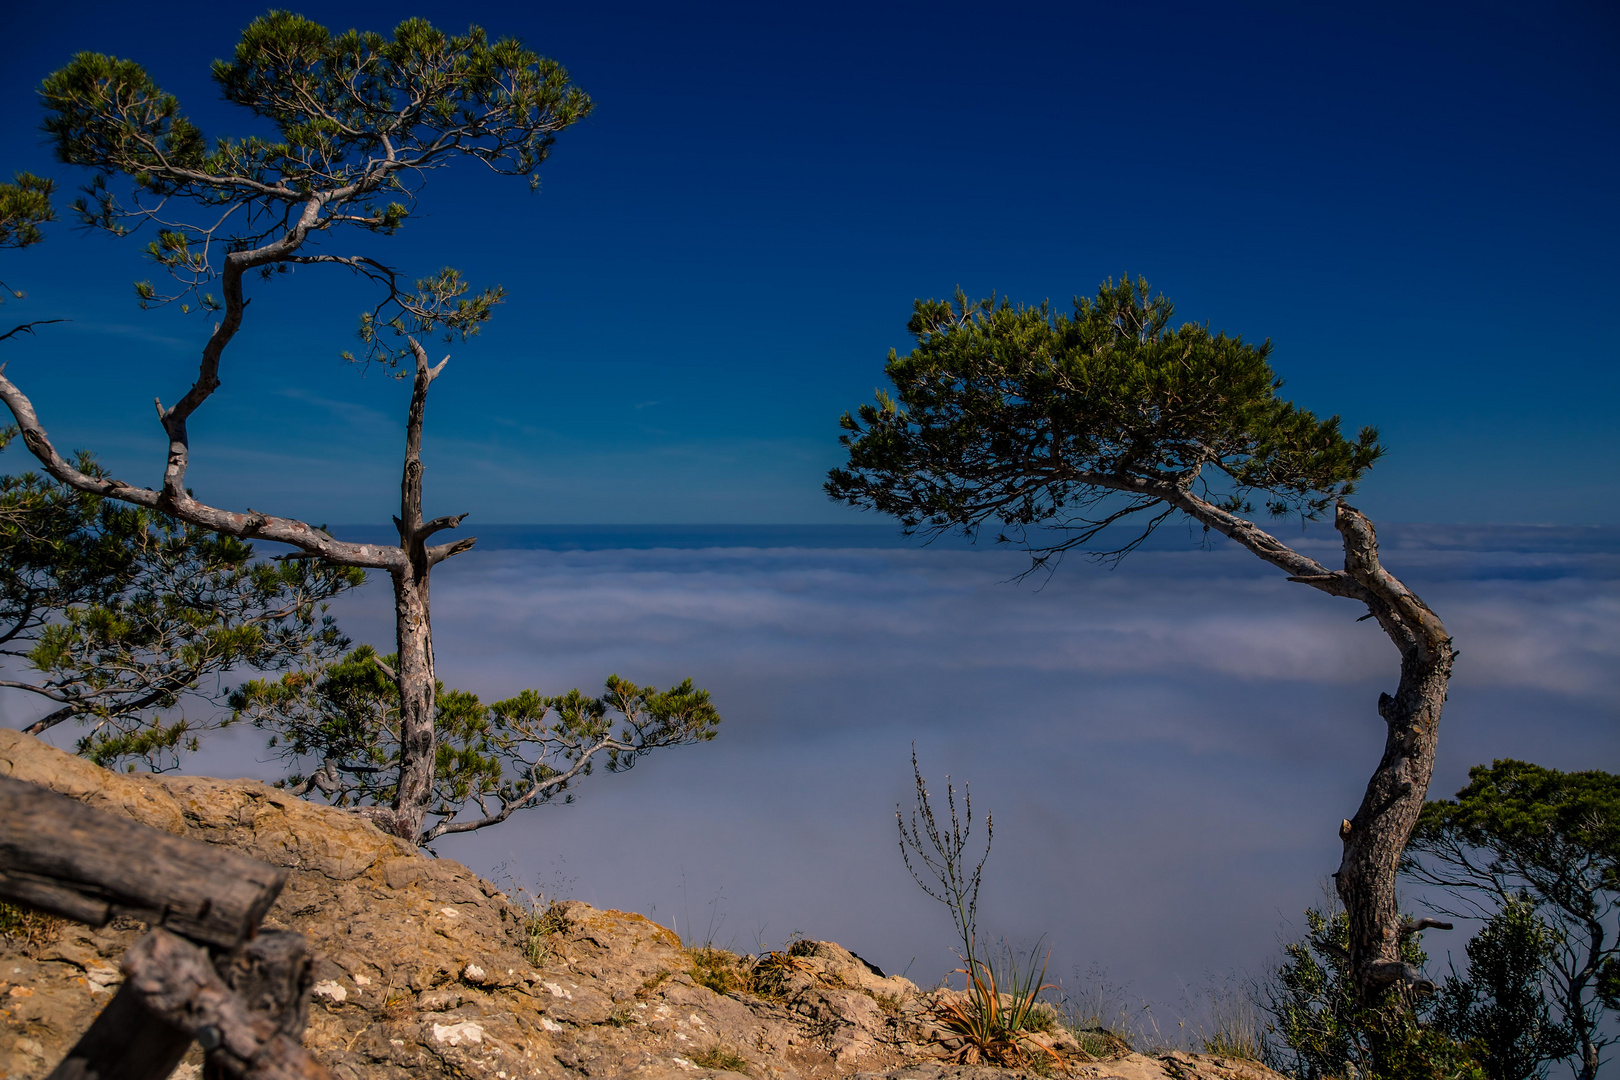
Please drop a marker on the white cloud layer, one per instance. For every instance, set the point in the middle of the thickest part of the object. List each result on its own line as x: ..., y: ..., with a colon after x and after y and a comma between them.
x: 1167, y: 747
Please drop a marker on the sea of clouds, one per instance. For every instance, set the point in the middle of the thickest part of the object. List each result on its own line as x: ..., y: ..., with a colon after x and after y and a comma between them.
x: 1167, y: 747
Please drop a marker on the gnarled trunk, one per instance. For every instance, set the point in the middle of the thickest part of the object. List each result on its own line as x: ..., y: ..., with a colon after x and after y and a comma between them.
x: 1375, y: 837
x: 413, y: 627
x: 413, y: 669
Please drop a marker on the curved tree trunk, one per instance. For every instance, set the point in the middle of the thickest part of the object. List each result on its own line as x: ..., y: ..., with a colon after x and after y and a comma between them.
x: 1375, y: 837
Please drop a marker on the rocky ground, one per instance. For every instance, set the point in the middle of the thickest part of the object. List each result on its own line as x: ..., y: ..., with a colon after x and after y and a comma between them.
x: 426, y: 970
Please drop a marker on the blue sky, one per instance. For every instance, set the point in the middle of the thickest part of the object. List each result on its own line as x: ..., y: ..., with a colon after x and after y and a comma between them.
x: 1416, y: 205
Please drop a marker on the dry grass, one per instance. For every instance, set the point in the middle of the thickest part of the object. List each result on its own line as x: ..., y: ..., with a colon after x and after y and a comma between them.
x: 654, y: 981
x: 27, y: 928
x: 540, y: 921
x: 770, y: 973
x: 1229, y: 1023
x: 718, y: 969
x: 723, y: 1057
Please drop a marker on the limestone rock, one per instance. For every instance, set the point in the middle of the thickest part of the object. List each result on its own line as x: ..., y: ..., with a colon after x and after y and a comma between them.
x: 424, y: 970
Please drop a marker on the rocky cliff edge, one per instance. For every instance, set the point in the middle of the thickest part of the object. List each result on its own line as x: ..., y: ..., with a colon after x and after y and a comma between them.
x: 425, y: 970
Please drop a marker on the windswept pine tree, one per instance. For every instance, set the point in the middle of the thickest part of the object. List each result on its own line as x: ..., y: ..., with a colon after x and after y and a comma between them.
x: 1064, y: 430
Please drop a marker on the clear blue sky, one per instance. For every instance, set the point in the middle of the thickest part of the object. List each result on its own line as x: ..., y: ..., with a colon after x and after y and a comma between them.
x: 1417, y: 204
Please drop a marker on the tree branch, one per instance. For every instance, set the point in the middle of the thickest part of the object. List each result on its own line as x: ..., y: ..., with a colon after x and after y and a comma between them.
x: 438, y: 524
x: 248, y: 525
x: 510, y: 806
x: 440, y: 552
x: 28, y: 328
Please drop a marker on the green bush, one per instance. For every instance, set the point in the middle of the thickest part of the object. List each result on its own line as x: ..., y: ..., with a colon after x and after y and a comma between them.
x: 1319, y: 1030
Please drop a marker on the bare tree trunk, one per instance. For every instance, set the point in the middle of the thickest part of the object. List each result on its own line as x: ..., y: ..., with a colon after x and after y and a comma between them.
x: 409, y: 564
x: 1375, y: 837
x: 1378, y: 832
x: 413, y: 628
x: 413, y: 636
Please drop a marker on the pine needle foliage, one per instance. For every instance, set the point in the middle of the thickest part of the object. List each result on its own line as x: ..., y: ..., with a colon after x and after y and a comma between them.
x: 492, y: 759
x: 1499, y: 1005
x: 1518, y: 830
x: 359, y: 119
x: 1022, y: 416
x: 1320, y: 1029
x: 25, y: 205
x: 125, y: 622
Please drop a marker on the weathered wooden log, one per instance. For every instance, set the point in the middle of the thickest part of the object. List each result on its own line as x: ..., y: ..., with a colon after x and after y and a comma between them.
x: 176, y: 980
x: 135, y: 1039
x: 272, y: 976
x: 125, y: 1042
x: 62, y: 857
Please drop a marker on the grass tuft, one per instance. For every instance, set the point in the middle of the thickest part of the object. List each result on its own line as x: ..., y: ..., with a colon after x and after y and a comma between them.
x: 28, y: 928
x: 769, y: 975
x: 540, y: 921
x: 651, y: 985
x: 719, y: 970
x: 723, y: 1057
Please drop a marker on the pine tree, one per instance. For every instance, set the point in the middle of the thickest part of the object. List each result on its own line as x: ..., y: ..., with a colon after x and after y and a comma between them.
x: 1060, y: 430
x: 360, y: 120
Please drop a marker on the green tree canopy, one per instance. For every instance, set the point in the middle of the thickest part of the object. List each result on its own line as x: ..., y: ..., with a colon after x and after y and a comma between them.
x: 1021, y: 416
x: 360, y: 119
x: 1522, y: 829
x: 125, y: 622
x: 341, y: 721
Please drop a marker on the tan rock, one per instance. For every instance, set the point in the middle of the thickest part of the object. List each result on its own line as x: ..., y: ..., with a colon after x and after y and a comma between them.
x: 424, y: 970
x: 22, y: 756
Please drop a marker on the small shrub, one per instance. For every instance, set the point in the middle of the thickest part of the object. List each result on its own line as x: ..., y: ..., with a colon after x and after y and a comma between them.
x: 889, y: 1003
x: 717, y: 969
x: 28, y: 928
x: 539, y: 923
x: 768, y: 977
x: 720, y: 1056
x: 991, y: 1023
